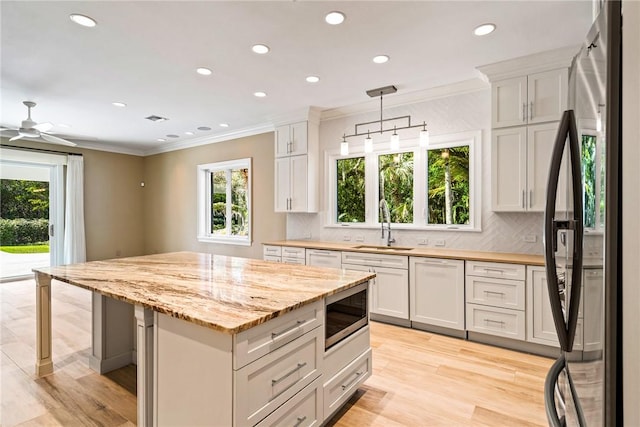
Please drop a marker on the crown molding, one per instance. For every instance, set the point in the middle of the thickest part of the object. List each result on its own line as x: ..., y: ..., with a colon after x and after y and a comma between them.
x: 466, y: 86
x: 111, y: 148
x: 535, y: 63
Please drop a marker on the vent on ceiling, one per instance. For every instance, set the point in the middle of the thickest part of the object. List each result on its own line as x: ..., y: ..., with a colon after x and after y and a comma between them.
x: 155, y: 118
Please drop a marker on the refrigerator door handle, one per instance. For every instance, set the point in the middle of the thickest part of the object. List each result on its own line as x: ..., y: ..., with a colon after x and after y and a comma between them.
x: 564, y: 328
x: 551, y: 386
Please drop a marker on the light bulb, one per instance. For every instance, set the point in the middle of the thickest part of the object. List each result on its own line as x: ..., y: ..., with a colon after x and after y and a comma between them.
x: 424, y: 138
x: 395, y: 141
x: 368, y: 144
x: 344, y: 148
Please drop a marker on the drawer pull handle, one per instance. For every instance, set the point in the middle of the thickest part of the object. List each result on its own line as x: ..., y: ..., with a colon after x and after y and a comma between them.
x: 497, y: 322
x: 325, y: 253
x: 347, y: 385
x: 299, y: 421
x: 297, y: 325
x: 494, y: 293
x: 493, y: 270
x: 288, y: 374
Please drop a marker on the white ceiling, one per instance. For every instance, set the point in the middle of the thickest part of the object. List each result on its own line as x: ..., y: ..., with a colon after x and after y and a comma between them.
x: 145, y: 53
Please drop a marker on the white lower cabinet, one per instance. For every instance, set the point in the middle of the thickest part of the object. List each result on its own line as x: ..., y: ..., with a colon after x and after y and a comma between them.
x: 302, y: 410
x: 495, y: 295
x: 339, y: 388
x: 541, y: 328
x: 436, y: 292
x: 324, y: 258
x: 389, y: 291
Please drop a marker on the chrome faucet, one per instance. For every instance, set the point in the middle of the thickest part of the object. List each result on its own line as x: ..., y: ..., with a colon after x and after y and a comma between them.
x: 384, y: 208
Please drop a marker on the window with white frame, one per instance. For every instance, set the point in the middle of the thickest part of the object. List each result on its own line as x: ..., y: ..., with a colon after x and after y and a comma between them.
x: 224, y: 202
x: 437, y: 187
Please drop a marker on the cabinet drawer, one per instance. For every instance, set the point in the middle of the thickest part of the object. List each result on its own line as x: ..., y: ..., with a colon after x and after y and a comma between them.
x: 496, y: 321
x: 503, y: 293
x: 495, y: 269
x: 256, y: 342
x: 302, y: 410
x: 375, y: 260
x: 292, y: 252
x: 268, y: 250
x: 272, y: 258
x: 339, y: 388
x: 320, y: 258
x: 267, y: 383
x: 291, y: 260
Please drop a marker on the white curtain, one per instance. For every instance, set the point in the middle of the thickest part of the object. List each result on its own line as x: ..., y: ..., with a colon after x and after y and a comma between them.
x: 74, y: 243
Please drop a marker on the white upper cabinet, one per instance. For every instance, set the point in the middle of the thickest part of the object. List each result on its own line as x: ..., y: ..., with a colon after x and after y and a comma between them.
x: 520, y: 159
x: 292, y: 140
x: 530, y: 99
x: 296, y: 167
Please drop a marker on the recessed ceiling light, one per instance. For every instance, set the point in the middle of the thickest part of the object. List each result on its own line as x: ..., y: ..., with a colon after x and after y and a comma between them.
x: 260, y: 48
x: 224, y: 125
x: 484, y: 29
x: 203, y: 71
x: 64, y: 125
x: 83, y: 20
x: 161, y: 140
x: 313, y: 79
x: 380, y: 59
x: 119, y: 104
x: 334, y: 18
x: 259, y: 94
x: 204, y: 128
x: 189, y: 133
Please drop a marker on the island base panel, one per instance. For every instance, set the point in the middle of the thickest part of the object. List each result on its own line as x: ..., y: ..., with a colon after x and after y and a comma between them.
x: 44, y: 362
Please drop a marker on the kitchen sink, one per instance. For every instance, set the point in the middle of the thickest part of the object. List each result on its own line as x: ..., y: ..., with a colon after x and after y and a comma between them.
x: 383, y: 248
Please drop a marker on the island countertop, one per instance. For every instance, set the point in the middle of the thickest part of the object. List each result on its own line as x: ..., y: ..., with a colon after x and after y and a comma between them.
x: 227, y: 294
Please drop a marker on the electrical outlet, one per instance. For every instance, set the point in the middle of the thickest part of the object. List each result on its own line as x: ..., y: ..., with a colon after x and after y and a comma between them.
x: 359, y: 238
x: 439, y: 242
x: 531, y: 238
x: 423, y: 241
x: 346, y: 238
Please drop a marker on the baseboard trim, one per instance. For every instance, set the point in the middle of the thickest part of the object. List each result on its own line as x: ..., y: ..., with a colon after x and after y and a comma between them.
x: 102, y: 366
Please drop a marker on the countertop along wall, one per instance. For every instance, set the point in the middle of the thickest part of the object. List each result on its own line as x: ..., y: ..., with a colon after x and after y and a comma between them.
x: 170, y: 217
x: 501, y: 232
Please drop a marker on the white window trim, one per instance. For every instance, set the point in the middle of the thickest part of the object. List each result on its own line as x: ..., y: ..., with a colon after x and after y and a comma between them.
x: 471, y: 138
x: 204, y: 202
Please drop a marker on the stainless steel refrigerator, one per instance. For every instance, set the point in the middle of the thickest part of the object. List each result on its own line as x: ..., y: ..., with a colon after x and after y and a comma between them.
x: 582, y: 236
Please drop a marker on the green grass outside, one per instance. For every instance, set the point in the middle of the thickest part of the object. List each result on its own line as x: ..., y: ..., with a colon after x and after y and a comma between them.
x: 26, y: 249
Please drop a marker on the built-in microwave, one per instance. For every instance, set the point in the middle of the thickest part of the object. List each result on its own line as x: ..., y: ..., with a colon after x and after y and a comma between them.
x: 345, y: 313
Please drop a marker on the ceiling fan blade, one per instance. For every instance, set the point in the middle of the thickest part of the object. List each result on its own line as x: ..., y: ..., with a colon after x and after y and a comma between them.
x: 43, y: 127
x: 16, y: 138
x: 56, y: 140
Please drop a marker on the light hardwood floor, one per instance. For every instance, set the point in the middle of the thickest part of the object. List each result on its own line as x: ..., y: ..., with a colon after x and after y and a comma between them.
x: 419, y: 379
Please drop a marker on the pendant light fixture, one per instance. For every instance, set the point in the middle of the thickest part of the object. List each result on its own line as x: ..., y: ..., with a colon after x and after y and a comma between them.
x: 368, y: 143
x: 399, y: 123
x: 344, y: 146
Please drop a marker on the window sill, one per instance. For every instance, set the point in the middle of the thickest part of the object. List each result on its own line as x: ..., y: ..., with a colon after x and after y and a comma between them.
x: 225, y: 240
x: 401, y: 227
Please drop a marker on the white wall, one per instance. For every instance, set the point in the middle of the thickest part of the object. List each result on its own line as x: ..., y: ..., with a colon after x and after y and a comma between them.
x: 501, y: 232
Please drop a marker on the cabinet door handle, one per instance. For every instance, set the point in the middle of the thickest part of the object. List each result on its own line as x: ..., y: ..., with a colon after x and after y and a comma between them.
x: 494, y: 293
x: 497, y: 322
x: 531, y: 110
x: 523, y: 199
x: 530, y: 198
x: 524, y: 113
x: 299, y: 420
x: 347, y: 385
x: 288, y: 374
x: 299, y: 323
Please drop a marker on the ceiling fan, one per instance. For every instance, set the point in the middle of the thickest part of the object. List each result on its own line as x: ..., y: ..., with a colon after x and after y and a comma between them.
x: 31, y: 129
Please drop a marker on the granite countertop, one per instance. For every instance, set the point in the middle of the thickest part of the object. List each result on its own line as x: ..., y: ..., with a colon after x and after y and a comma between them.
x: 511, y: 258
x: 227, y: 294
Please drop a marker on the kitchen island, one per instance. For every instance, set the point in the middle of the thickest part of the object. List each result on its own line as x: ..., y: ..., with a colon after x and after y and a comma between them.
x: 224, y: 340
